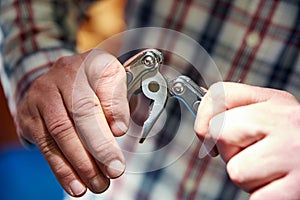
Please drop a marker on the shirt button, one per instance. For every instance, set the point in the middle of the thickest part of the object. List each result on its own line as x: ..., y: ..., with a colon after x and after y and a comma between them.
x: 253, y: 39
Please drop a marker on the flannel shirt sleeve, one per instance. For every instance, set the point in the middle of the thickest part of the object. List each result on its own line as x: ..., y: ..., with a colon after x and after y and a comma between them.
x: 35, y: 34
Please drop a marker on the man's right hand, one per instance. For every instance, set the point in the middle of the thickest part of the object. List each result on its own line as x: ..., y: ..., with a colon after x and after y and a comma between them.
x: 72, y: 113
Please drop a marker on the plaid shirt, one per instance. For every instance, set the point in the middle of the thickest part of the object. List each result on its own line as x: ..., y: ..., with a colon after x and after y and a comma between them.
x: 254, y: 42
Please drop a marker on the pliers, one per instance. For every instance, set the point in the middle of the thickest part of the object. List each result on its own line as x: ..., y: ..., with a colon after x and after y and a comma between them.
x: 143, y: 74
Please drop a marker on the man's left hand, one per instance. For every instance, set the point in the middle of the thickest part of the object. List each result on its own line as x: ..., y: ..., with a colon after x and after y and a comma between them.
x: 257, y: 133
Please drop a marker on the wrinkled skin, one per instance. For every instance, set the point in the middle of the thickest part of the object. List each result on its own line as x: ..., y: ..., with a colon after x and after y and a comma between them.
x: 257, y: 133
x: 72, y: 113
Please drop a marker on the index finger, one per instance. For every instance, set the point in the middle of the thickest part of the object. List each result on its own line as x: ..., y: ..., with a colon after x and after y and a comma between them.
x: 223, y: 96
x: 92, y: 126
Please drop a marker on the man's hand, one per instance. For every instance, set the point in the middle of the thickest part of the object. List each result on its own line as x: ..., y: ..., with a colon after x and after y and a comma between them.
x: 257, y: 132
x: 73, y: 113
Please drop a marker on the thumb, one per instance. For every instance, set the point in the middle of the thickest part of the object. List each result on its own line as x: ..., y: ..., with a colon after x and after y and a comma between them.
x: 107, y: 78
x: 223, y: 96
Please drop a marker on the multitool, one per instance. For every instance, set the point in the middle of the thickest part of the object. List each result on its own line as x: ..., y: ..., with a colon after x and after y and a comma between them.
x: 143, y: 74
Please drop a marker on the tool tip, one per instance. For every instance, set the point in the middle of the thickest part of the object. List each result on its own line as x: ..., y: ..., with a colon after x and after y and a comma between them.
x: 142, y: 140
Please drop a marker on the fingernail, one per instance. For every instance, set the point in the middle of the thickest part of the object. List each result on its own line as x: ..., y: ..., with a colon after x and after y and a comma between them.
x: 99, y: 184
x: 210, y: 146
x: 202, y: 152
x: 214, y: 152
x: 122, y: 126
x: 77, y: 188
x: 115, y: 169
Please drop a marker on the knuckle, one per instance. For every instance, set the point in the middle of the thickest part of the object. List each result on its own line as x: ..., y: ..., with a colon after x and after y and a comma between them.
x: 85, y: 168
x: 113, y: 110
x: 105, y: 151
x: 34, y: 93
x: 200, y: 130
x: 113, y: 70
x: 283, y: 96
x: 39, y: 91
x: 64, y: 61
x: 59, y: 127
x: 234, y: 173
x: 216, y: 86
x: 41, y: 86
x: 216, y: 91
x: 62, y: 171
x: 39, y: 83
x: 85, y: 107
x: 67, y: 66
x: 101, y: 66
x: 46, y: 146
x: 286, y: 94
x: 110, y: 82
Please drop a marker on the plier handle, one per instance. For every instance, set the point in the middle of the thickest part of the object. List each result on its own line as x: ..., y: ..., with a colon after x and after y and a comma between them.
x: 143, y: 71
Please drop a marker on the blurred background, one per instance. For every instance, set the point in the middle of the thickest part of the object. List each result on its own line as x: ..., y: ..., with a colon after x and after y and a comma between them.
x: 24, y: 174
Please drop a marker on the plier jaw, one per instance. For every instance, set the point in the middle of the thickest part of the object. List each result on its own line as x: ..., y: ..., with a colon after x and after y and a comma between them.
x: 143, y: 72
x: 140, y: 64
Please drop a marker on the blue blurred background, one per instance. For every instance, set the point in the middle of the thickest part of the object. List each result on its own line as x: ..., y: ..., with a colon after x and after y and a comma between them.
x: 24, y: 174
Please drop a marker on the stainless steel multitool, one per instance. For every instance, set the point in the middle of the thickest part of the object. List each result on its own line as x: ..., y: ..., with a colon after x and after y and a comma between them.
x: 143, y: 72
